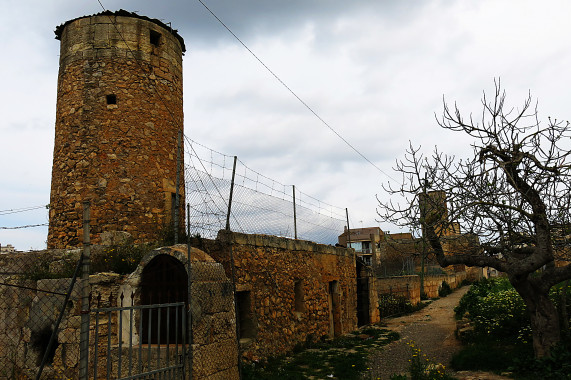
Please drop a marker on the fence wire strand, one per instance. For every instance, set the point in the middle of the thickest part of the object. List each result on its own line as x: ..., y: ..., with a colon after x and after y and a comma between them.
x: 260, y: 205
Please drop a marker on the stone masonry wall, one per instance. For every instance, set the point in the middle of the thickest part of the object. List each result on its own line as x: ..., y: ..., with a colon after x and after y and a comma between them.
x: 25, y: 315
x: 403, y: 286
x: 268, y: 268
x: 409, y: 286
x: 119, y: 113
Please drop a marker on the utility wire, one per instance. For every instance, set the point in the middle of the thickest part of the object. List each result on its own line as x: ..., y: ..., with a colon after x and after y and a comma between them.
x: 293, y: 93
x: 24, y: 209
x: 19, y: 227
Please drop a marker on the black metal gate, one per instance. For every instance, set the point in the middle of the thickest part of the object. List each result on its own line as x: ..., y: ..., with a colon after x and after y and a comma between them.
x: 123, y: 347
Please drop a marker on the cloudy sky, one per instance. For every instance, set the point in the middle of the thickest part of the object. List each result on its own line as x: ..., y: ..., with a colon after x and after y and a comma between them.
x: 376, y: 71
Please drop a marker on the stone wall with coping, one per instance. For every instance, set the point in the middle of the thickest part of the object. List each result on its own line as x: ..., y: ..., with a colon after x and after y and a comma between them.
x: 268, y: 267
x: 409, y: 286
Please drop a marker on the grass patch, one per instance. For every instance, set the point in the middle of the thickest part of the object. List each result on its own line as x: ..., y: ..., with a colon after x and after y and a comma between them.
x: 344, y: 357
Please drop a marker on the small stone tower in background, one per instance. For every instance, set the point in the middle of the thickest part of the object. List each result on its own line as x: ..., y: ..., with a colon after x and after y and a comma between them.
x: 119, y: 115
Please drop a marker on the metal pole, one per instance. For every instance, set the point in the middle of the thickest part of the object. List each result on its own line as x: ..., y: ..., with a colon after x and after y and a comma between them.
x: 348, y: 229
x: 189, y: 270
x: 294, y: 214
x: 231, y: 192
x: 85, y: 288
x: 177, y: 195
x: 423, y: 242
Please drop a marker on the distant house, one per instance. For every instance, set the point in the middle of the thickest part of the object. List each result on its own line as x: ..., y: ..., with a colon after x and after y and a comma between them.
x: 365, y: 242
x: 8, y: 248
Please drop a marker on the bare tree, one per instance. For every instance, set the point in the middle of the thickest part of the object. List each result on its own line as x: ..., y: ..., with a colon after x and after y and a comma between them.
x: 510, y: 198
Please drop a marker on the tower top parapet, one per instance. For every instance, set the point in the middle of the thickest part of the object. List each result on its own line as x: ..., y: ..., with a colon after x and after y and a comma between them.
x: 123, y: 13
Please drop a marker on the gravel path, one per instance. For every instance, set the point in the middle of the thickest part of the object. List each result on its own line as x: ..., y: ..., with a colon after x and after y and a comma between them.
x: 432, y: 329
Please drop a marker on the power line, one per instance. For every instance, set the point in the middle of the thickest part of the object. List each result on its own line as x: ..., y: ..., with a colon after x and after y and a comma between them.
x: 24, y: 209
x: 20, y: 227
x: 292, y: 92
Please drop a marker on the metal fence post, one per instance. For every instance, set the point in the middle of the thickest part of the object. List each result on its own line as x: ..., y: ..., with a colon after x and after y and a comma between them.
x: 348, y: 229
x: 294, y: 215
x: 231, y: 192
x: 189, y: 270
x: 177, y: 191
x: 86, y: 268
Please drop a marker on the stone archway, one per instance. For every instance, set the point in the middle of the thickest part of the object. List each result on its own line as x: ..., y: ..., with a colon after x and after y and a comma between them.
x: 163, y: 280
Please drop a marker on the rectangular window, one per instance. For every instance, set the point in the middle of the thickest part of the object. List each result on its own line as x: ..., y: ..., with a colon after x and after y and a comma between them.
x: 154, y: 37
x: 111, y: 99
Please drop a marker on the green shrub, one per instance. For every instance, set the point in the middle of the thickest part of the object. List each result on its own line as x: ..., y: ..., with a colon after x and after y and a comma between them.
x: 556, y: 366
x: 496, y: 311
x: 444, y: 289
x: 489, y: 357
x: 391, y: 305
x: 501, y: 339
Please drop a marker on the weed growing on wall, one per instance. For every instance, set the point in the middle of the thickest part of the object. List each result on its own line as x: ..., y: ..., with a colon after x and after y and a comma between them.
x: 121, y: 259
x: 44, y: 267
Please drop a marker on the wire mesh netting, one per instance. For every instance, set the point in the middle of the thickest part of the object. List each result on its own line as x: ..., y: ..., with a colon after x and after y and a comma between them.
x: 259, y: 204
x: 37, y: 294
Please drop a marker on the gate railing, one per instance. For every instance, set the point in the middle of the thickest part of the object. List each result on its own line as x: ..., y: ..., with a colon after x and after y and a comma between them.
x: 140, y: 342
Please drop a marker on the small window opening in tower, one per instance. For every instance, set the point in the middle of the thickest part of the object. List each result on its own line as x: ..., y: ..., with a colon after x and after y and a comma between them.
x: 155, y: 37
x: 111, y: 99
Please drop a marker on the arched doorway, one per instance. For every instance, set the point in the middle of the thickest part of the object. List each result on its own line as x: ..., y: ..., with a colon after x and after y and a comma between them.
x: 163, y: 281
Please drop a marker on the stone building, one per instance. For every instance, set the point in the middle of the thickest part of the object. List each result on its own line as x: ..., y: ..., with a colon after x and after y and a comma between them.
x: 119, y: 115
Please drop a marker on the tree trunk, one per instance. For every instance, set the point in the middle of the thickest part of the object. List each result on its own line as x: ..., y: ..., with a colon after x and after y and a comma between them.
x: 544, y: 318
x: 564, y: 316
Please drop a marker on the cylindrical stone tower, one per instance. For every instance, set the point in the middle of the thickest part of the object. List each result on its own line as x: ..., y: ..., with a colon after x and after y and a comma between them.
x: 119, y: 115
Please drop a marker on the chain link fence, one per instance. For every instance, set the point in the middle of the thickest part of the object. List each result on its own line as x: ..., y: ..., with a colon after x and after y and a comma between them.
x: 218, y: 185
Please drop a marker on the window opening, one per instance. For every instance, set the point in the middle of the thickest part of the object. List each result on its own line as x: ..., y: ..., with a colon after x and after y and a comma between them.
x: 111, y: 99
x: 245, y: 317
x: 154, y: 37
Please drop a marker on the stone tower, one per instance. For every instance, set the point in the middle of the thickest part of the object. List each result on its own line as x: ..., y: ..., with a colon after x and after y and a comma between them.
x: 119, y: 114
x: 434, y: 209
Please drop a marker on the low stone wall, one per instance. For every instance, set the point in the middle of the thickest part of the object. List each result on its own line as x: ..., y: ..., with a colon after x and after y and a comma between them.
x: 28, y: 314
x: 409, y: 286
x: 298, y: 290
x: 403, y: 286
x: 432, y: 284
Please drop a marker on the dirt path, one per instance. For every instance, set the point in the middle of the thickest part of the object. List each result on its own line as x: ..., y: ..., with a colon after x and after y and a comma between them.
x: 432, y: 329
